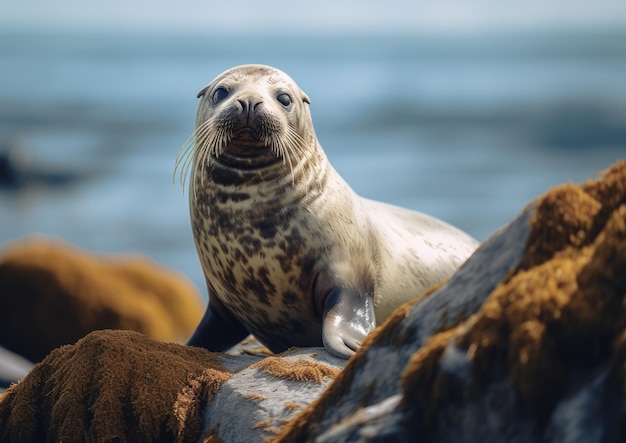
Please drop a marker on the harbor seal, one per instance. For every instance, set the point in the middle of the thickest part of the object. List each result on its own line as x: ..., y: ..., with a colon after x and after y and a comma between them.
x: 289, y: 251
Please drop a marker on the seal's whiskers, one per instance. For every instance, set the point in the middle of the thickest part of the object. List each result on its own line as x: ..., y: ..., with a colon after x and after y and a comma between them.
x: 278, y: 146
x: 206, y: 140
x: 296, y: 146
x: 184, y: 158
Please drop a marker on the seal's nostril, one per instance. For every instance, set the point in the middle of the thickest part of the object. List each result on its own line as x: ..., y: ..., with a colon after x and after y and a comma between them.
x: 248, y: 106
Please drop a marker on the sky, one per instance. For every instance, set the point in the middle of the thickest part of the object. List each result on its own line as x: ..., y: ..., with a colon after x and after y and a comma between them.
x: 275, y: 16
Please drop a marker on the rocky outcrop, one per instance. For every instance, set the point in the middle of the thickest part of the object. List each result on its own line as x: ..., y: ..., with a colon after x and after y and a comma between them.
x: 525, y: 343
x: 123, y: 386
x: 53, y: 294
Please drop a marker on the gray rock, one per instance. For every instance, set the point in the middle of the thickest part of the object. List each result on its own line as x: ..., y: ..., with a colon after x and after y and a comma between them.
x: 255, y: 403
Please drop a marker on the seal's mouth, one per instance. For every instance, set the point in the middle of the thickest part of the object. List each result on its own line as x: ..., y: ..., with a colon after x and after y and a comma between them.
x: 246, y: 134
x: 247, y: 138
x: 246, y: 142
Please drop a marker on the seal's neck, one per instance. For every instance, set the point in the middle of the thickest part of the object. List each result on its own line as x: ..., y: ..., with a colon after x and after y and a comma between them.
x: 265, y: 177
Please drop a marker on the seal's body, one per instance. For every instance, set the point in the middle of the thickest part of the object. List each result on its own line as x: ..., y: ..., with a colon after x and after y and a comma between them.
x: 290, y: 252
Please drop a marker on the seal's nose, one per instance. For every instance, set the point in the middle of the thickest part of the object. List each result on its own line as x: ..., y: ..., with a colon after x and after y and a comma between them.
x: 249, y: 107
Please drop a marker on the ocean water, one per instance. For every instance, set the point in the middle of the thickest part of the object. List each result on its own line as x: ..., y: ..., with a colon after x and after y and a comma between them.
x: 468, y: 128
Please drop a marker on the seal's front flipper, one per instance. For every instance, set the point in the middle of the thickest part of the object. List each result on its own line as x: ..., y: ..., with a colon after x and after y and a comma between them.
x: 218, y: 330
x: 348, y: 317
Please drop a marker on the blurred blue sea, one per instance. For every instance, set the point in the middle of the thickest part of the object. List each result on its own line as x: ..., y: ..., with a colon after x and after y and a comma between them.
x: 468, y: 128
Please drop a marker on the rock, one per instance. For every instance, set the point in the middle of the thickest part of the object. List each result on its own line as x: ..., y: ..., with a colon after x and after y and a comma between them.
x: 525, y: 343
x: 258, y: 400
x: 112, y: 386
x: 54, y: 294
x: 124, y: 386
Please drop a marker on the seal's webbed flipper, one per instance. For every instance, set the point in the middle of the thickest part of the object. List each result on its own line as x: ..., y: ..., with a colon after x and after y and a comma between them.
x: 218, y: 330
x: 348, y: 317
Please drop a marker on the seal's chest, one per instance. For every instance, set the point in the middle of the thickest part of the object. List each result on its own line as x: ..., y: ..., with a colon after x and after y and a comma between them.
x: 267, y: 283
x: 259, y: 260
x: 245, y: 262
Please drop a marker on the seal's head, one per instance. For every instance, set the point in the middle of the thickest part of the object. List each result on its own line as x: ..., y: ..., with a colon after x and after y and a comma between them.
x: 250, y: 116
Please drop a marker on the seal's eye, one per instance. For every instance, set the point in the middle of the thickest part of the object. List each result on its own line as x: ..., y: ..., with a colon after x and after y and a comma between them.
x: 284, y: 99
x: 219, y: 95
